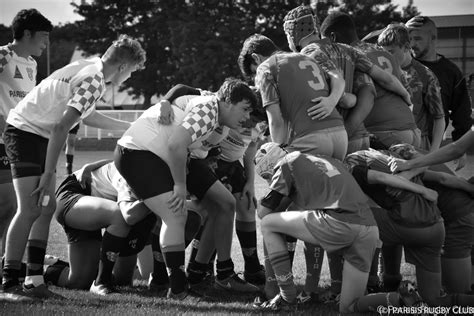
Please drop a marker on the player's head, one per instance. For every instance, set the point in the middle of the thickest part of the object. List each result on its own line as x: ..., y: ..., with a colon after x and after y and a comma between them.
x: 238, y: 101
x: 423, y: 35
x: 255, y: 50
x: 395, y: 39
x: 299, y: 24
x: 32, y: 29
x: 267, y: 158
x: 124, y: 56
x: 339, y: 27
x: 258, y: 114
x: 405, y: 151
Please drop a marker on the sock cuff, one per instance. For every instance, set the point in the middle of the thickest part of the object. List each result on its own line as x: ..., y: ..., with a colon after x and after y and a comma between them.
x: 12, y: 265
x: 37, y: 243
x: 246, y: 227
x: 278, y: 257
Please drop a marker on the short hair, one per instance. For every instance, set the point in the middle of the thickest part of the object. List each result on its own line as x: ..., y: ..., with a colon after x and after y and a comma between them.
x: 31, y: 20
x: 299, y: 23
x: 255, y: 44
x: 126, y: 50
x: 338, y: 22
x: 234, y: 90
x: 394, y: 34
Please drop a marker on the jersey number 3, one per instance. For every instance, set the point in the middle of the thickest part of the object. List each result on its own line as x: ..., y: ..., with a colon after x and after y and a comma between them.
x: 318, y: 83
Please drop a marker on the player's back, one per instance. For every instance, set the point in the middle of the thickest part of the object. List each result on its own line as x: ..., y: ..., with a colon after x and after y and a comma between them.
x: 390, y: 112
x: 300, y: 80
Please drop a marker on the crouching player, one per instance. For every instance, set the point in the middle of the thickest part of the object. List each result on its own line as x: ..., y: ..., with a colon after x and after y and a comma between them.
x: 93, y: 198
x: 340, y: 219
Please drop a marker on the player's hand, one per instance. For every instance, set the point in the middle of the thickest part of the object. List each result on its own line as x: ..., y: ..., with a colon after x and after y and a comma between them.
x: 461, y: 162
x: 249, y: 192
x: 322, y: 109
x: 177, y: 201
x: 414, y: 22
x: 407, y: 98
x: 44, y: 195
x: 398, y: 165
x: 166, y: 113
x: 430, y: 195
x: 84, y: 176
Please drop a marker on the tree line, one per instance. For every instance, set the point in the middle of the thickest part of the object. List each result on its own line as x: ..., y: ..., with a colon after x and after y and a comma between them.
x: 192, y: 41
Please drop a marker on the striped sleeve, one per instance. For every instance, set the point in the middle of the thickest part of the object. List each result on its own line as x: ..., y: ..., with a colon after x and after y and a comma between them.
x: 86, y: 94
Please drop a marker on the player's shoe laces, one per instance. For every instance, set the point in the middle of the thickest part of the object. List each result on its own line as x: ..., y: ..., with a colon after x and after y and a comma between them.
x: 101, y: 289
x: 158, y: 289
x: 257, y: 277
x: 277, y: 304
x: 236, y: 284
x: 409, y: 295
x: 41, y: 291
x: 15, y: 294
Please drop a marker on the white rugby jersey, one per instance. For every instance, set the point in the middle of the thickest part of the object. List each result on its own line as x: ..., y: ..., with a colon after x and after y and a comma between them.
x: 78, y: 85
x: 199, y: 118
x: 107, y: 183
x: 17, y: 78
x: 233, y: 147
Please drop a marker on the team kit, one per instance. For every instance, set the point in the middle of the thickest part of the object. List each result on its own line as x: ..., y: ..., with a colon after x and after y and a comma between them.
x: 323, y: 125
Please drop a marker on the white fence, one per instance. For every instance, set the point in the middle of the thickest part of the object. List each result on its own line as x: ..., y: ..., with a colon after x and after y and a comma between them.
x: 92, y: 132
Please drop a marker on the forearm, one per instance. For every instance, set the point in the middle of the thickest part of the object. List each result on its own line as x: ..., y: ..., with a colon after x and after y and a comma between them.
x: 278, y: 131
x: 337, y: 85
x: 377, y: 177
x: 389, y: 82
x: 444, y: 154
x: 177, y: 163
x: 365, y: 103
x: 249, y: 165
x: 180, y: 90
x: 55, y: 145
x: 102, y: 121
x: 438, y: 132
x: 448, y: 180
x: 96, y: 165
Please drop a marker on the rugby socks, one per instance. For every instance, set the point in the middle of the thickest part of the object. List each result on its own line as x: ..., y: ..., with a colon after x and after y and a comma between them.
x: 35, y: 251
x: 69, y: 161
x: 271, y: 285
x: 109, y: 252
x: 247, y: 234
x: 336, y: 262
x: 174, y: 258
x: 224, y: 269
x: 11, y: 273
x: 374, y: 281
x: 392, y: 256
x: 291, y: 246
x: 314, y: 256
x: 159, y: 274
x: 283, y: 274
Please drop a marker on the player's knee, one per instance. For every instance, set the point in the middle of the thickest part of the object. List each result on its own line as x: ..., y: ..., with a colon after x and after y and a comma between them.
x: 82, y: 281
x: 226, y: 204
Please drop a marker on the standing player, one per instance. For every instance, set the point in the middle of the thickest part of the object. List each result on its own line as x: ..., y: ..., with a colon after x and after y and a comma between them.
x: 289, y: 83
x: 456, y: 101
x: 17, y: 78
x: 152, y: 157
x: 423, y: 86
x: 390, y: 120
x: 35, y: 134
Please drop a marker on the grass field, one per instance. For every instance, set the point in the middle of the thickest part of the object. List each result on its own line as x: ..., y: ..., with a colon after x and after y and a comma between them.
x: 137, y: 301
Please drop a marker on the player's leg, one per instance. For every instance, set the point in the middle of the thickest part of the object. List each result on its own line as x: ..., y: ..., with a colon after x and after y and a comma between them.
x: 70, y: 147
x: 84, y: 257
x: 7, y: 198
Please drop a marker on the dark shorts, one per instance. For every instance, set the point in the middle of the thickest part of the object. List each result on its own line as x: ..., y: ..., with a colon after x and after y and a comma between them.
x: 67, y: 195
x: 5, y: 170
x: 75, y: 129
x: 148, y: 175
x: 25, y: 151
x: 459, y: 237
x: 422, y: 244
x: 231, y: 174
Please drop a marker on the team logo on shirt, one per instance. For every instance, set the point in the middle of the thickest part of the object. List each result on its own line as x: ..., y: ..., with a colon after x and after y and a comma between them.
x: 30, y: 73
x: 17, y: 73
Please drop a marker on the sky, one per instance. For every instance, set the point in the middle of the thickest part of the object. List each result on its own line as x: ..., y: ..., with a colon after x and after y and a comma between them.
x: 61, y: 11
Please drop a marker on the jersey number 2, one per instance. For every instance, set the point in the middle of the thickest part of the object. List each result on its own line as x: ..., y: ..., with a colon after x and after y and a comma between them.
x: 315, y: 70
